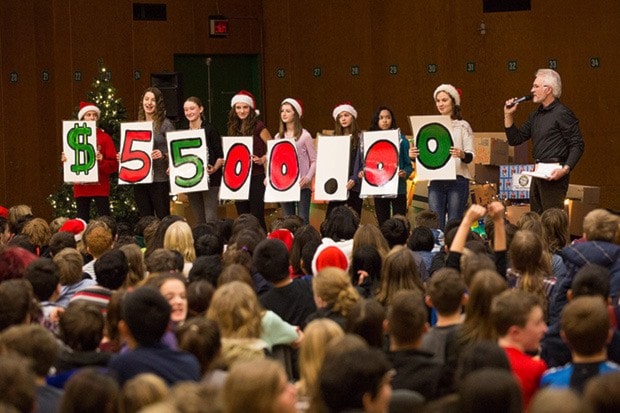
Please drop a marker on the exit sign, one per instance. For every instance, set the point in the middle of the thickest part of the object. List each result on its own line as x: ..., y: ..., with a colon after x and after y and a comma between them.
x: 218, y: 26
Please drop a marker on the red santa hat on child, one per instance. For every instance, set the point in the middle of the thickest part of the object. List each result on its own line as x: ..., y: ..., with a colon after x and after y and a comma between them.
x: 328, y: 254
x: 344, y: 107
x: 4, y: 213
x: 243, y: 96
x: 75, y: 226
x: 450, y: 90
x: 283, y: 235
x: 87, y: 107
x: 295, y: 103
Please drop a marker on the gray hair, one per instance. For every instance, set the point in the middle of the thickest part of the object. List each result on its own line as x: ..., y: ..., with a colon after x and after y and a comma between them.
x: 551, y: 79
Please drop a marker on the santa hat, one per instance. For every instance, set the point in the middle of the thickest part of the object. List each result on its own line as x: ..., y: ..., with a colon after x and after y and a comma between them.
x: 87, y: 107
x: 296, y: 103
x: 450, y: 90
x: 344, y: 107
x: 4, y: 213
x: 243, y: 96
x: 75, y: 226
x: 283, y: 235
x: 328, y: 254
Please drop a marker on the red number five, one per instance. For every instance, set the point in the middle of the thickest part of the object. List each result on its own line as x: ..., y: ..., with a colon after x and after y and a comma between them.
x: 135, y: 175
x: 283, y: 166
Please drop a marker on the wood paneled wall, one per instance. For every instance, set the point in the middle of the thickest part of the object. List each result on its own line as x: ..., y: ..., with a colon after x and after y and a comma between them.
x: 298, y: 36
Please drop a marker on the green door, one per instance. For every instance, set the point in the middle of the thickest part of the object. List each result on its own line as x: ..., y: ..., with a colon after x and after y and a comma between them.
x: 226, y: 75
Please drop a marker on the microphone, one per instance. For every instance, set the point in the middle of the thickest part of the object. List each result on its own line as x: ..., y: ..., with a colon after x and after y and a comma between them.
x: 519, y: 100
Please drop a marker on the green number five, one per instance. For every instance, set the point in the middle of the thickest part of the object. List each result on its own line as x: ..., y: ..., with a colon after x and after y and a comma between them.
x: 179, y: 159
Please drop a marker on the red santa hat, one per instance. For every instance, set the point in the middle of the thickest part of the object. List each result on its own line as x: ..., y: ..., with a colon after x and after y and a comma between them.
x: 344, y: 107
x: 328, y: 254
x: 295, y: 103
x: 87, y: 107
x: 75, y: 226
x: 283, y: 235
x: 450, y: 90
x: 243, y: 96
x: 4, y: 213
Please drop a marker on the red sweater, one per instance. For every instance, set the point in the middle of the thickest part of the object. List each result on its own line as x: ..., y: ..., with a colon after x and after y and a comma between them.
x: 528, y: 371
x: 106, y: 167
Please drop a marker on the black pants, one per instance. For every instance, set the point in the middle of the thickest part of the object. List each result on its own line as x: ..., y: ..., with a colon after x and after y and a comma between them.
x: 256, y: 204
x: 546, y: 194
x: 102, y: 203
x: 385, y: 208
x: 153, y: 199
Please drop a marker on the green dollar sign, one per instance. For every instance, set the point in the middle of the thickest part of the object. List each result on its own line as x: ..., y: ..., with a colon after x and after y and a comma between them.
x: 84, y: 152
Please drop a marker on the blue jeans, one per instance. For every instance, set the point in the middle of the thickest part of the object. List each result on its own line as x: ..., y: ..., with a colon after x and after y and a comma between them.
x: 301, y: 208
x: 448, y: 196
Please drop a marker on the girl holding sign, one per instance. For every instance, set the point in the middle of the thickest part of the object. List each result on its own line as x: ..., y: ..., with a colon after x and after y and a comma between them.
x: 107, y: 164
x: 153, y: 198
x: 291, y: 110
x: 345, y: 117
x: 384, y: 119
x: 242, y: 121
x: 450, y: 196
x: 204, y: 203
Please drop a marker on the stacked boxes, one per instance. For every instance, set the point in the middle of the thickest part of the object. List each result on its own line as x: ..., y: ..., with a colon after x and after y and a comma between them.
x: 513, y: 184
x: 581, y: 199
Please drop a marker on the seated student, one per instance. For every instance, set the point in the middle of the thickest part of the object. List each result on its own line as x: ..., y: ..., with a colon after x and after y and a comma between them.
x: 422, y: 242
x: 591, y: 280
x: 291, y: 299
x: 446, y: 293
x: 17, y: 384
x: 70, y: 263
x: 81, y: 331
x: 600, y: 229
x: 17, y: 303
x: 490, y: 390
x: 97, y: 241
x: 406, y: 324
x: 430, y: 219
x: 41, y: 348
x: 348, y: 385
x: 396, y: 232
x: 587, y: 329
x: 601, y: 393
x: 520, y: 325
x: 60, y: 241
x: 145, y: 317
x: 44, y: 276
x: 111, y: 269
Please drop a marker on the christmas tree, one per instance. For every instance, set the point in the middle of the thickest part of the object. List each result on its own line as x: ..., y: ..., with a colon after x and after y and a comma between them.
x: 112, y: 114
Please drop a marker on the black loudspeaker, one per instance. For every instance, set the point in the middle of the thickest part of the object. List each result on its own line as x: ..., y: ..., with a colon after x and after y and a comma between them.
x: 171, y: 86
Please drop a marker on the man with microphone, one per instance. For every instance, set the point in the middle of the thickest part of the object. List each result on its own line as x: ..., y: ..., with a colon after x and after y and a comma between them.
x: 556, y: 138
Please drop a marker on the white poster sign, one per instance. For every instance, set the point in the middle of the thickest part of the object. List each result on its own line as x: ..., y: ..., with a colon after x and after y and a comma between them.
x: 237, y: 167
x: 188, y: 160
x: 136, y: 165
x: 332, y: 168
x: 79, y: 144
x: 282, y: 171
x: 433, y: 138
x: 381, y: 150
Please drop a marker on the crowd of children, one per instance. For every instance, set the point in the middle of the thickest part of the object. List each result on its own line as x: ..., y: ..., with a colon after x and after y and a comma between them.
x: 224, y: 317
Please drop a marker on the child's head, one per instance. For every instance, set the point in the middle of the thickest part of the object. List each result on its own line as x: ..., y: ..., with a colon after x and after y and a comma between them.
x: 271, y: 259
x: 518, y: 317
x: 407, y: 317
x: 446, y: 291
x: 81, y: 326
x: 585, y: 325
x: 427, y: 218
x: 178, y: 237
x: 141, y: 391
x: 32, y: 341
x: 399, y: 272
x: 201, y: 337
x: 44, y: 276
x: 89, y: 390
x: 206, y: 267
x: 163, y: 260
x: 304, y: 235
x: 526, y: 252
x: 146, y: 314
x: 98, y: 240
x: 17, y: 302
x: 590, y: 280
x: 555, y: 228
x: 395, y: 232
x: 383, y: 119
x: 333, y: 289
x: 600, y: 225
x: 365, y: 258
x: 60, y: 241
x: 366, y: 320
x: 237, y: 310
x: 421, y: 239
x: 111, y: 269
x: 70, y: 263
x: 199, y: 295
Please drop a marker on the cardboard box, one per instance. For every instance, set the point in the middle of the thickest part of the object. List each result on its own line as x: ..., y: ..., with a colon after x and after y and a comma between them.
x: 585, y: 194
x: 506, y: 188
x: 484, y: 173
x: 490, y: 148
x: 483, y: 194
x: 577, y: 211
x: 514, y: 212
x: 516, y: 154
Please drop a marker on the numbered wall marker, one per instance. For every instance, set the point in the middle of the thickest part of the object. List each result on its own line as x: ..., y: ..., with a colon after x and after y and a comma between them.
x: 317, y: 72
x: 280, y: 73
x: 80, y: 148
x: 512, y: 65
x: 595, y: 62
x: 431, y: 68
x: 470, y: 67
x: 393, y: 69
x: 552, y: 64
